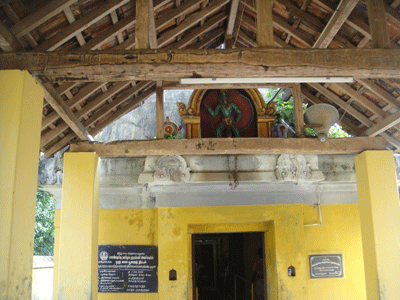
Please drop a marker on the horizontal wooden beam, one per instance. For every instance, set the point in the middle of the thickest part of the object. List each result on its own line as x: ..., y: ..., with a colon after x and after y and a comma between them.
x: 172, y: 65
x: 233, y: 146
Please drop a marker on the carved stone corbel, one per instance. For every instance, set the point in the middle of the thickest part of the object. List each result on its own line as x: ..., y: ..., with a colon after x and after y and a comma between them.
x: 292, y: 168
x: 171, y: 168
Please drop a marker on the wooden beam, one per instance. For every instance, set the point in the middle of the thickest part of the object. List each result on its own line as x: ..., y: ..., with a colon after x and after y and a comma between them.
x: 343, y: 104
x: 16, y: 20
x: 284, y: 26
x: 353, y: 20
x: 152, y: 27
x: 109, y: 33
x: 265, y: 32
x: 391, y: 140
x: 191, y: 21
x: 381, y: 93
x: 50, y: 135
x: 234, y: 146
x: 172, y: 65
x: 81, y: 24
x: 176, y: 13
x: 302, y: 14
x: 384, y: 125
x: 277, y: 41
x: 392, y: 14
x: 9, y: 43
x: 335, y: 23
x: 71, y: 19
x: 159, y: 111
x: 142, y: 24
x: 298, y: 111
x: 342, y: 121
x: 58, y: 104
x: 210, y: 38
x: 119, y: 113
x: 232, y: 17
x: 40, y: 16
x: 361, y: 100
x: 378, y: 24
x: 83, y: 93
x: 190, y: 37
x: 356, y: 114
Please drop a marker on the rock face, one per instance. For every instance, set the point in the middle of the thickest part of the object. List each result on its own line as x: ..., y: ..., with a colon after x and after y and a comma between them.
x: 140, y: 124
x: 50, y: 169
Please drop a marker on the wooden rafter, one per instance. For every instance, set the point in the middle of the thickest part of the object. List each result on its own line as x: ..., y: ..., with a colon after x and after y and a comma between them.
x: 54, y: 99
x: 99, y: 126
x: 232, y: 17
x: 40, y: 16
x: 76, y: 27
x: 49, y: 136
x: 338, y: 18
x: 384, y: 125
x: 382, y: 94
x: 8, y: 42
x: 210, y: 24
x: 191, y: 21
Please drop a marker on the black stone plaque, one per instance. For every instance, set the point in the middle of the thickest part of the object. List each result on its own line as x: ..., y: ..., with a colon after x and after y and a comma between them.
x: 128, y: 269
x: 326, y: 266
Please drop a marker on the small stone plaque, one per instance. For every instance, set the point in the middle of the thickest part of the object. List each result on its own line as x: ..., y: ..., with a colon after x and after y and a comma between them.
x: 326, y: 266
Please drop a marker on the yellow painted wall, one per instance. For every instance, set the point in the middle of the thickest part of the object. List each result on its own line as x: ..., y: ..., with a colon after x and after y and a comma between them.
x: 340, y: 233
x: 21, y: 102
x: 171, y: 229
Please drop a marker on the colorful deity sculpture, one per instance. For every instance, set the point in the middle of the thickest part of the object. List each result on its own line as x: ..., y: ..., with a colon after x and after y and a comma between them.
x: 229, y: 121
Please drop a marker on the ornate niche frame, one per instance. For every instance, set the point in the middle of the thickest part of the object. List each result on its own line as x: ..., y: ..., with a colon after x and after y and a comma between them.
x: 191, y: 114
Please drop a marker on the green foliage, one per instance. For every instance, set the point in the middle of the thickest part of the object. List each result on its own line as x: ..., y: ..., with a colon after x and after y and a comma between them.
x: 44, y: 226
x: 170, y: 137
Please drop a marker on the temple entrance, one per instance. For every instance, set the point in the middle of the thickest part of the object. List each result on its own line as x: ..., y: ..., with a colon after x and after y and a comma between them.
x: 228, y: 266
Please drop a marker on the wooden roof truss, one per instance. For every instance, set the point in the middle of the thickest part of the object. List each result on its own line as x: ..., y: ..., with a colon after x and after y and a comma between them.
x: 78, y: 107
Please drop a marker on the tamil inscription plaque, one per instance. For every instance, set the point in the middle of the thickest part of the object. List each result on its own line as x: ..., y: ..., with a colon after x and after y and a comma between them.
x: 326, y: 266
x: 128, y: 269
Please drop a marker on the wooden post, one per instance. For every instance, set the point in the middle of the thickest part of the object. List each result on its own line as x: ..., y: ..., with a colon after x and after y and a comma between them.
x: 298, y: 110
x: 229, y: 40
x: 159, y: 111
x: 152, y: 27
x: 142, y: 24
x: 265, y: 32
x: 378, y: 24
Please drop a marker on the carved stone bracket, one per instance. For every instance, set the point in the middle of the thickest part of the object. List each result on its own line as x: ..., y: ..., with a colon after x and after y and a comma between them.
x: 171, y: 168
x: 292, y: 168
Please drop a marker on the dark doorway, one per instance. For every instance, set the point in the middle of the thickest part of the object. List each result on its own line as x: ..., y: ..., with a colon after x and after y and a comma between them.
x: 223, y: 266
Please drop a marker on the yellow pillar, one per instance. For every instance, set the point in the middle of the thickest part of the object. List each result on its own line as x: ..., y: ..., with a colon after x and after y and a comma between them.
x: 21, y: 101
x: 380, y: 222
x: 77, y: 272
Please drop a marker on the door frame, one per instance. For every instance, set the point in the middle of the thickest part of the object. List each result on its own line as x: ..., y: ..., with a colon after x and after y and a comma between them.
x: 269, y: 249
